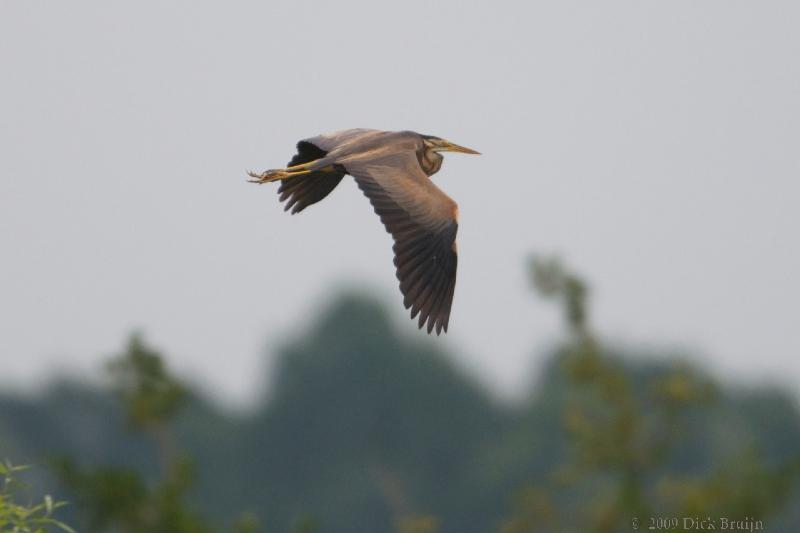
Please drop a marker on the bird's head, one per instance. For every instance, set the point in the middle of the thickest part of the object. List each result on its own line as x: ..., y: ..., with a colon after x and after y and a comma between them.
x: 437, y: 144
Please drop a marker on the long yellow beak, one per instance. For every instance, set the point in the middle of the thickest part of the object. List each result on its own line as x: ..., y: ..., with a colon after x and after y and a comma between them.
x: 452, y: 147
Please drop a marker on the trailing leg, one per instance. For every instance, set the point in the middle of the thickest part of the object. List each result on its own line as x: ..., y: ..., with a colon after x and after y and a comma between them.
x: 276, y: 175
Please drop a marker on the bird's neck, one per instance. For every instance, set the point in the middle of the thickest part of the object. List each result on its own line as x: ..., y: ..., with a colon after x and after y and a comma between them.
x: 430, y: 161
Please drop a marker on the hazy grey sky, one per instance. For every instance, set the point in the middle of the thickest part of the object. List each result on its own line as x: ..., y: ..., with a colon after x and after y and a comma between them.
x: 653, y: 145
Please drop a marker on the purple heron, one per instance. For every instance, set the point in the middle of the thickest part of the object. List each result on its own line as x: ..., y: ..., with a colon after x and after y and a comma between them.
x: 392, y: 168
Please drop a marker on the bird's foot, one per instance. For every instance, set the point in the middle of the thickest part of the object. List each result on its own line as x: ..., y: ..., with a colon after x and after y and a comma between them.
x: 268, y: 176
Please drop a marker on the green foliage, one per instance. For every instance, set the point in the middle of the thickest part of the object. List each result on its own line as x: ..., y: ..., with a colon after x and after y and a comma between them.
x: 622, y: 431
x: 742, y: 488
x: 116, y: 499
x: 150, y: 395
x: 120, y: 499
x: 364, y: 429
x: 33, y: 518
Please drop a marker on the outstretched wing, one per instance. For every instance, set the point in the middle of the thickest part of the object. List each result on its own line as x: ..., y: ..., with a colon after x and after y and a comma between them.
x: 302, y: 191
x: 423, y: 222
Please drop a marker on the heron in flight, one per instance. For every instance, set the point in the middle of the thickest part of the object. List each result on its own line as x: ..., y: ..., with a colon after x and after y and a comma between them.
x: 392, y: 168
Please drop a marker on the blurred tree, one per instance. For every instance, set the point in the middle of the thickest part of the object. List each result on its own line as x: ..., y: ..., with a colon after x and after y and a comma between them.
x: 151, y: 398
x: 116, y: 499
x: 365, y: 429
x: 622, y: 432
